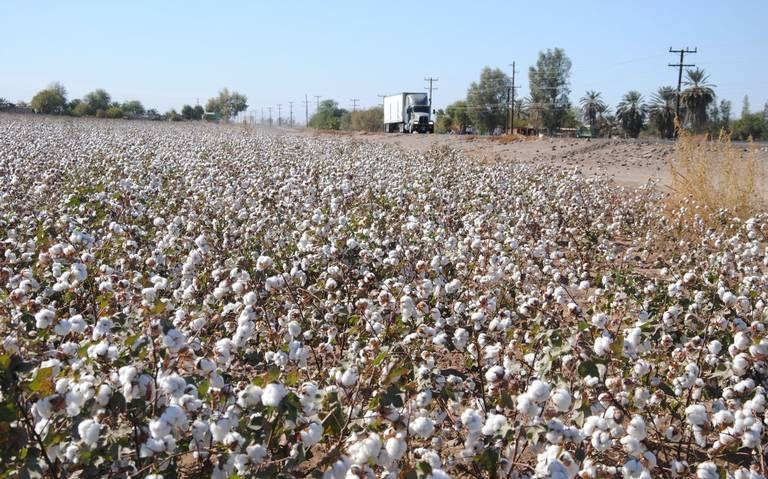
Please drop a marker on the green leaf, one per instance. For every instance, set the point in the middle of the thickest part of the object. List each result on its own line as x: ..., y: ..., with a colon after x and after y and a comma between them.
x: 380, y: 358
x: 8, y: 411
x: 617, y: 347
x: 588, y: 368
x: 202, y: 388
x: 42, y: 383
x: 5, y: 362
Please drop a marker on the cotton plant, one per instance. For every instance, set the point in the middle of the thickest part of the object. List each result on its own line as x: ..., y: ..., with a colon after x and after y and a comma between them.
x: 205, y: 302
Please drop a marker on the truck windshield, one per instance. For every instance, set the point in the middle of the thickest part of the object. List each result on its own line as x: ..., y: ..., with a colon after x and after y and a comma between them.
x: 421, y: 109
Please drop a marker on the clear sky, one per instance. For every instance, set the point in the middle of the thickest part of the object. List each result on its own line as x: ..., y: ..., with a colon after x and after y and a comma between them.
x: 167, y: 53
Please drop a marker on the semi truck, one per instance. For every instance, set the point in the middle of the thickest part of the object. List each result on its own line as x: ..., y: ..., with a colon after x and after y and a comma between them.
x: 408, y: 113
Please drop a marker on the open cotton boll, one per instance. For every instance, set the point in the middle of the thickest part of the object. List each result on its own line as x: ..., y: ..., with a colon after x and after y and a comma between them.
x: 602, y: 346
x: 263, y: 263
x: 362, y: 451
x: 538, y: 391
x: 472, y: 420
x: 561, y: 399
x: 312, y: 434
x: 89, y: 430
x: 422, y: 427
x: 707, y: 470
x: 696, y: 414
x: 273, y: 394
x: 43, y: 318
x: 493, y: 424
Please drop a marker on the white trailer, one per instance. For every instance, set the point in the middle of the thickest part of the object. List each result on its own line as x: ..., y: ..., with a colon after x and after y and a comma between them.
x: 407, y: 113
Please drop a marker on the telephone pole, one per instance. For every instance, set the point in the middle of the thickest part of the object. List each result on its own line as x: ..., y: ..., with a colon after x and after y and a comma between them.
x: 511, y: 102
x: 680, y: 66
x: 354, y: 103
x: 431, y: 80
x: 270, y: 115
x: 279, y: 114
x: 290, y: 116
x: 306, y: 111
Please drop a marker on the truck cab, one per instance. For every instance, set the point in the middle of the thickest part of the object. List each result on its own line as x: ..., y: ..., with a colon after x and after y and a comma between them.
x: 408, y: 113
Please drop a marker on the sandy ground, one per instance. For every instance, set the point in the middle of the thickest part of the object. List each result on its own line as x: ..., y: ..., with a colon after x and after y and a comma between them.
x: 629, y: 163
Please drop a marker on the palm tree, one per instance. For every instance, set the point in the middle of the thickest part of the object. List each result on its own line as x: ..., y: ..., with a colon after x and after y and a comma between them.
x: 631, y: 113
x: 696, y: 98
x: 663, y: 111
x: 592, y: 105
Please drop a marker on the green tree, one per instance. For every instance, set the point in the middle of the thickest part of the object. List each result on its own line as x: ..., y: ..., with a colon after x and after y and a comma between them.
x: 486, y: 100
x: 133, y: 107
x: 198, y: 112
x: 172, y: 115
x: 745, y: 106
x: 4, y: 104
x: 631, y: 113
x: 97, y: 100
x: 592, y: 104
x: 696, y: 98
x: 443, y: 122
x: 371, y: 119
x: 114, y: 112
x: 549, y: 81
x: 227, y: 104
x: 725, y: 114
x: 662, y: 111
x: 459, y: 114
x: 328, y: 116
x: 51, y: 100
x: 187, y: 112
x: 79, y: 108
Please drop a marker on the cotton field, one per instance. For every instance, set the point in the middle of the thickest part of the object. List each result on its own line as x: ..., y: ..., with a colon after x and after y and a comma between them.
x: 203, y: 301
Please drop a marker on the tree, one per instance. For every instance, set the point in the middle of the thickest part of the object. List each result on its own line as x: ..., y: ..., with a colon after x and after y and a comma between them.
x: 745, y: 106
x: 631, y: 113
x: 328, y: 116
x: 97, y: 100
x: 187, y: 112
x: 51, y: 100
x: 227, y: 104
x: 487, y: 100
x: 172, y: 115
x: 458, y: 113
x: 114, y: 112
x: 696, y: 98
x: 78, y: 108
x: 550, y: 86
x: 662, y: 111
x: 133, y: 107
x: 725, y: 113
x: 592, y: 104
x: 198, y: 112
x: 371, y: 119
x: 4, y: 104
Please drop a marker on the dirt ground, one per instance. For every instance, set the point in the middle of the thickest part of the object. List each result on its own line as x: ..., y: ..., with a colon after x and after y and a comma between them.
x: 629, y: 163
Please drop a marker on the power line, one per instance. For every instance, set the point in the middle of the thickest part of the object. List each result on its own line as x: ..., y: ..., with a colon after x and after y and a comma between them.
x: 354, y: 103
x: 511, y: 104
x: 680, y: 66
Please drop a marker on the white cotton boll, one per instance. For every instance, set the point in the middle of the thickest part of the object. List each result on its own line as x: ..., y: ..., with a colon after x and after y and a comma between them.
x: 707, y: 470
x: 741, y: 340
x: 250, y: 298
x: 715, y: 347
x: 460, y: 338
x: 174, y: 340
x: 729, y: 299
x: 43, y: 318
x: 452, y: 286
x: 526, y: 405
x: 740, y: 364
x: 631, y: 446
x: 396, y: 446
x: 263, y: 263
x: 89, y: 432
x: 637, y: 428
x: 78, y: 271
x: 273, y: 394
x: 104, y: 394
x: 601, y: 441
x: 62, y: 328
x: 602, y: 346
x: 561, y: 399
x: 599, y: 320
x: 363, y: 451
x: 723, y: 417
x: 220, y: 429
x: 256, y: 453
x: 472, y: 419
x: 422, y: 427
x: 294, y: 329
x: 494, y: 374
x: 538, y: 391
x: 493, y: 424
x: 696, y: 414
x: 312, y: 434
x: 249, y: 397
x: 173, y: 385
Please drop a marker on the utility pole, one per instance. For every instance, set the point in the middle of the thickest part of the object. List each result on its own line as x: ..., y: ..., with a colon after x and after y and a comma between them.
x: 270, y: 115
x: 382, y: 99
x: 290, y: 105
x: 306, y: 111
x: 680, y: 66
x: 430, y: 80
x: 354, y: 103
x: 511, y: 102
x: 279, y: 114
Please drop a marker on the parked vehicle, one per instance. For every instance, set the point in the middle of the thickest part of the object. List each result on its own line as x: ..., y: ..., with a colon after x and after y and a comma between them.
x: 408, y: 113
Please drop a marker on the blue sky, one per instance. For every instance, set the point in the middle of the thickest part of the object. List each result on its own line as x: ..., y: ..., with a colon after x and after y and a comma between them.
x: 167, y: 53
